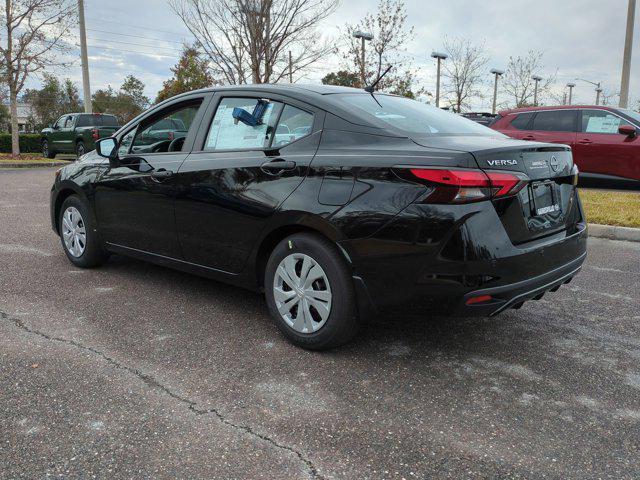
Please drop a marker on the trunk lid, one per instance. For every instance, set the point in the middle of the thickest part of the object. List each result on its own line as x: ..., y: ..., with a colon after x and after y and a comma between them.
x: 548, y: 204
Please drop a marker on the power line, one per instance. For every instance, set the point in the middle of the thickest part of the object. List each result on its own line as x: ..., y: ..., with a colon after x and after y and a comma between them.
x: 138, y: 27
x: 135, y: 36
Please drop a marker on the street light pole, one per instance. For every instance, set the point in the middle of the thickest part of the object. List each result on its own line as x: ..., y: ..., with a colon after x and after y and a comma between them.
x: 439, y: 56
x: 498, y: 74
x: 86, y: 87
x: 362, y: 36
x: 536, y: 79
x: 598, y: 86
x: 626, y: 61
x: 570, y: 85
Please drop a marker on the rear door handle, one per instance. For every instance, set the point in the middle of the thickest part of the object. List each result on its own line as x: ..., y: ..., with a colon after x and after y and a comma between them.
x: 585, y: 141
x: 161, y: 174
x: 528, y: 137
x: 277, y: 166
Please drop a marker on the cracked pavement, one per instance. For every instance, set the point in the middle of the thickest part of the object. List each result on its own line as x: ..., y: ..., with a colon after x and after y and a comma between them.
x: 137, y: 371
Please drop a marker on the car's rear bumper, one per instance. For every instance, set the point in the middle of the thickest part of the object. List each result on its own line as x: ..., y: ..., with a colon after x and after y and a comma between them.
x: 434, y: 264
x: 515, y: 294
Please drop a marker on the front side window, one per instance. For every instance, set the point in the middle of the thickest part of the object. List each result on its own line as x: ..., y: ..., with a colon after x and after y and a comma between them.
x: 601, y: 121
x: 293, y: 125
x: 167, y: 132
x: 125, y: 143
x: 68, y: 123
x: 228, y: 133
x: 60, y: 122
x: 413, y: 117
x: 555, y: 121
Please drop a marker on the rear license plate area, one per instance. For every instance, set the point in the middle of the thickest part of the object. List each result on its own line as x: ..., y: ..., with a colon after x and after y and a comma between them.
x: 543, y: 205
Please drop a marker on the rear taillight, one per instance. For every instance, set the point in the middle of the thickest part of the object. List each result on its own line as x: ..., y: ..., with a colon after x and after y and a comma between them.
x: 94, y: 133
x: 464, y: 186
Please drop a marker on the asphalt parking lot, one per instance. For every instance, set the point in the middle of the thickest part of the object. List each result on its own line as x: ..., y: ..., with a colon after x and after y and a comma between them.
x: 136, y: 371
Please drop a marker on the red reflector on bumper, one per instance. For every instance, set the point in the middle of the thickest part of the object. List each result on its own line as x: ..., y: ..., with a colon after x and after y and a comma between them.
x: 480, y: 299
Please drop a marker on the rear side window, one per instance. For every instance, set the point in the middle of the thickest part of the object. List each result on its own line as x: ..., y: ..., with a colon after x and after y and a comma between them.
x: 293, y: 125
x: 109, y: 121
x: 555, y: 121
x: 522, y: 120
x: 601, y: 121
x: 226, y: 133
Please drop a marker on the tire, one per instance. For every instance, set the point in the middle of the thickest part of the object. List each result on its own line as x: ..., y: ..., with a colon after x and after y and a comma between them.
x: 331, y: 315
x: 46, y: 152
x: 80, y: 149
x: 84, y: 252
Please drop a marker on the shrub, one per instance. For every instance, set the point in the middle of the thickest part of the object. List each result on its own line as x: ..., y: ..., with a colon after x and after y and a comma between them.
x: 29, y: 143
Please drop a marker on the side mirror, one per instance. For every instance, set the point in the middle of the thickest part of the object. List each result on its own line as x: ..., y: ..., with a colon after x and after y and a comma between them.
x: 56, y: 127
x: 108, y: 148
x: 628, y: 130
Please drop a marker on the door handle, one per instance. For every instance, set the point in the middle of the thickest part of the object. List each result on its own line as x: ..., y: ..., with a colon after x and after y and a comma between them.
x: 161, y: 174
x: 277, y: 166
x: 528, y: 137
x: 585, y: 141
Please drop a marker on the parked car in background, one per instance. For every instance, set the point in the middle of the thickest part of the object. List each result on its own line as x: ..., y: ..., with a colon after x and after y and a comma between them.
x: 605, y: 140
x: 77, y: 133
x: 334, y: 202
x: 483, y: 118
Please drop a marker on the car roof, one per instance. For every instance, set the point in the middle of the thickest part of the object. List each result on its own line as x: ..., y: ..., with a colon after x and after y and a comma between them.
x: 555, y: 107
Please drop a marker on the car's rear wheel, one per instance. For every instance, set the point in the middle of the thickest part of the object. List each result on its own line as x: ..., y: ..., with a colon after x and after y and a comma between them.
x: 78, y: 236
x: 80, y: 150
x: 310, y: 292
x: 46, y: 151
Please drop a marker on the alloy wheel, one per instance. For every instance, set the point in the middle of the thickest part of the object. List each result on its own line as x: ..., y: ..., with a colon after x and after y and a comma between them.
x: 74, y: 233
x: 302, y: 293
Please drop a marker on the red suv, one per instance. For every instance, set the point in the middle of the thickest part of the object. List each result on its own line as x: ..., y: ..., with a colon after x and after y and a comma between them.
x: 605, y: 140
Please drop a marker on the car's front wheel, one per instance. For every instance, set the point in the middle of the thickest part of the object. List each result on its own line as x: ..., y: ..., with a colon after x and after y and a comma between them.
x: 310, y: 292
x: 46, y: 150
x: 79, y: 239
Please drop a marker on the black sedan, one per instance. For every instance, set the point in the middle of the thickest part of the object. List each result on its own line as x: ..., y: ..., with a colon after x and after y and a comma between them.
x: 335, y: 202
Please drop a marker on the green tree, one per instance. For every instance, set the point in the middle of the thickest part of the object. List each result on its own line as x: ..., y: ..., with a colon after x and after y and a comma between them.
x: 190, y: 73
x: 53, y: 99
x: 342, y: 78
x: 126, y: 103
x: 5, y: 118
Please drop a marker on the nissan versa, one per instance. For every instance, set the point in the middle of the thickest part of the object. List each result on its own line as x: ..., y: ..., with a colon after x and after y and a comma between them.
x: 336, y: 202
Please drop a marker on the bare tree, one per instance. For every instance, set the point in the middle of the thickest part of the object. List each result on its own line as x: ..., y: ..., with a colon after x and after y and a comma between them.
x: 518, y: 81
x: 250, y: 40
x: 464, y: 71
x: 390, y: 36
x: 33, y: 42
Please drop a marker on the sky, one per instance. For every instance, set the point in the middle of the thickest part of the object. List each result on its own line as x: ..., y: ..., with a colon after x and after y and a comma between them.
x: 579, y: 39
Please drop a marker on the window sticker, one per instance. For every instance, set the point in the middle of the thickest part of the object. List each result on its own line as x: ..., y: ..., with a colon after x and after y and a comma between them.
x: 226, y: 133
x: 608, y: 124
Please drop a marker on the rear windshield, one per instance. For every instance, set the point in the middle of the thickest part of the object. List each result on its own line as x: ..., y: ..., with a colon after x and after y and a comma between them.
x: 413, y: 117
x: 91, y: 120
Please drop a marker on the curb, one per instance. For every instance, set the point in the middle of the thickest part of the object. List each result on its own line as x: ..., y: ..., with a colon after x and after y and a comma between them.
x: 32, y: 164
x: 613, y: 232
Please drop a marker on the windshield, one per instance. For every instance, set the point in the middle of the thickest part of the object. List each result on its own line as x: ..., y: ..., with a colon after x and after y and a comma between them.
x: 632, y: 114
x: 414, y: 117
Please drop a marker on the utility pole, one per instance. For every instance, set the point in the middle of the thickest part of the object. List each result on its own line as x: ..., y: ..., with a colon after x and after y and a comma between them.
x: 363, y: 36
x: 498, y: 74
x: 626, y: 61
x: 570, y: 85
x: 439, y: 56
x: 536, y: 79
x: 290, y: 68
x: 598, y: 92
x: 86, y: 87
